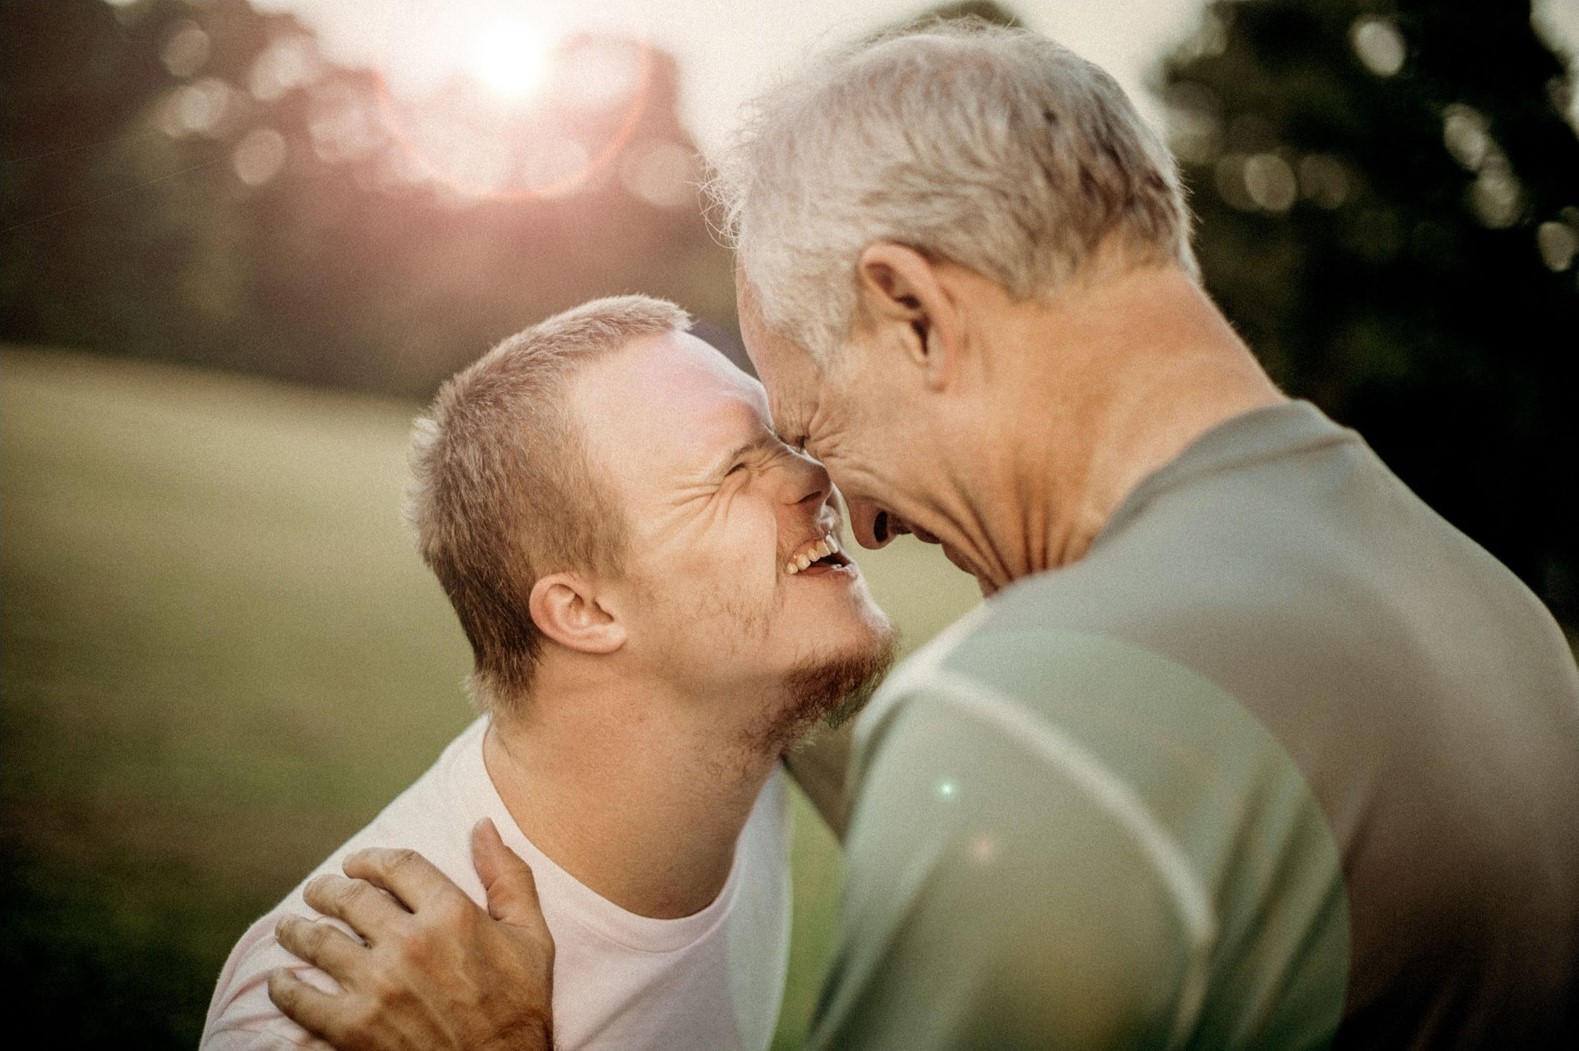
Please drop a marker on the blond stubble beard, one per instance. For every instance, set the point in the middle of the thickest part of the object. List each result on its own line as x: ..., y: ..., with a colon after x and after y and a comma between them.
x: 828, y: 688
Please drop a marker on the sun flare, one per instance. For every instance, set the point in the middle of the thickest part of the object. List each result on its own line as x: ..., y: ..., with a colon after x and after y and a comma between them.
x: 511, y: 59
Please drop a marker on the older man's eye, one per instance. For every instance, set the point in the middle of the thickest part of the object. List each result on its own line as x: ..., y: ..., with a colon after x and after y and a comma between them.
x: 741, y: 466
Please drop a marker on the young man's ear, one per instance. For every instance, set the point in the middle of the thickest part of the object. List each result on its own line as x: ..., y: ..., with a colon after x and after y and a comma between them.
x: 566, y: 608
x: 904, y: 295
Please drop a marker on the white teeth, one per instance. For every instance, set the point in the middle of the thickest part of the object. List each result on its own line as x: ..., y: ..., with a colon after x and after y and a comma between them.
x: 821, y: 548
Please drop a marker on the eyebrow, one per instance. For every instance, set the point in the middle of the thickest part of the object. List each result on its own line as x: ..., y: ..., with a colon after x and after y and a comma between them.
x: 760, y: 441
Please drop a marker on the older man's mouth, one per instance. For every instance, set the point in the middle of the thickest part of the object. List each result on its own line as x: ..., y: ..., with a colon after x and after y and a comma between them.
x: 817, y: 555
x: 887, y: 525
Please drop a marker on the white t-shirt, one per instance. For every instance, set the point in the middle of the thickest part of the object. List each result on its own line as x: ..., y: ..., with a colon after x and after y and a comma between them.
x: 708, y: 982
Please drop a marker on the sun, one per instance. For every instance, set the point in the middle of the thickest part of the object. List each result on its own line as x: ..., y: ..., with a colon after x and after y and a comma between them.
x: 510, y: 59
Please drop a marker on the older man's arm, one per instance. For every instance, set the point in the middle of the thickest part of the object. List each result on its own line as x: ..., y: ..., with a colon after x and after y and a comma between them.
x: 819, y: 764
x: 432, y: 970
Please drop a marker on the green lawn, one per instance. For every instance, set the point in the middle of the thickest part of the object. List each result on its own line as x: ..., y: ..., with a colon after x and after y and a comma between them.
x: 221, y: 656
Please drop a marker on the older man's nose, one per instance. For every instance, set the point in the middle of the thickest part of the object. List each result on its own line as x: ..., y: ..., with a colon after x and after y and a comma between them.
x: 873, y: 527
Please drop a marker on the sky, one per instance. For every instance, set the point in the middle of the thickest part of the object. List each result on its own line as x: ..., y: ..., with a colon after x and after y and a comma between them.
x: 727, y: 49
x: 730, y: 49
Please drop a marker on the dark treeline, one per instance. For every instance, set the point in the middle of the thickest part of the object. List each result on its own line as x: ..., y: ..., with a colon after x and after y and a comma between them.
x: 1388, y: 204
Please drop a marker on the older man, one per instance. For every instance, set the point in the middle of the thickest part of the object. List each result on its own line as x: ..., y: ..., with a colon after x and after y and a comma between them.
x: 654, y: 592
x: 1247, y: 748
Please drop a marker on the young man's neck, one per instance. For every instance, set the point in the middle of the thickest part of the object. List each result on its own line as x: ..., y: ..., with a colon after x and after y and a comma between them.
x: 634, y: 803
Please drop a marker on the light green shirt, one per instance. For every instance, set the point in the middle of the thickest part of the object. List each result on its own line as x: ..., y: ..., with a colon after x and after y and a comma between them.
x: 1284, y: 756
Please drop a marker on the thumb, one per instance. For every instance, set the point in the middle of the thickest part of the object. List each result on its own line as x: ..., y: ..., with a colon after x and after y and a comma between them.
x: 511, y: 888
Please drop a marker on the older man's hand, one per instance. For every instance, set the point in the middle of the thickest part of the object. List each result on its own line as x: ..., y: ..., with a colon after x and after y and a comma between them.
x: 432, y: 970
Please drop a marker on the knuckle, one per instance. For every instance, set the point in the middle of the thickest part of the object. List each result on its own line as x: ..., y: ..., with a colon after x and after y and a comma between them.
x: 315, y: 890
x: 382, y: 988
x: 299, y: 936
x: 285, y: 931
x: 409, y: 955
x: 312, y: 936
x: 354, y: 892
x: 283, y: 991
x: 327, y: 894
x: 387, y: 991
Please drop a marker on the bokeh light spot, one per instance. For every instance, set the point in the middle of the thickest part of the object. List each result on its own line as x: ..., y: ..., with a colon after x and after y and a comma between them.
x: 1558, y: 244
x: 1210, y: 38
x: 661, y: 173
x: 1379, y: 45
x: 1270, y: 182
x: 286, y: 64
x: 259, y: 156
x: 1195, y: 131
x: 1324, y: 180
x: 1466, y: 134
x: 343, y: 124
x: 185, y: 49
x: 196, y: 109
x: 1496, y: 196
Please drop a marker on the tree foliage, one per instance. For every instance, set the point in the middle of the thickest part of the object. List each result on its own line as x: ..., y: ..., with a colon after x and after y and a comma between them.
x: 196, y: 181
x: 1388, y: 202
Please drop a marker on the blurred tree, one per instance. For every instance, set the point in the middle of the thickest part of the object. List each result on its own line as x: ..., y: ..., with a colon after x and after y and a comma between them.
x: 1388, y: 204
x: 196, y: 181
x: 74, y: 79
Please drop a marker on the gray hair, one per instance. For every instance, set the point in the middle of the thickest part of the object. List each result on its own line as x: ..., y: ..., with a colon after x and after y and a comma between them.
x: 993, y: 148
x: 501, y: 491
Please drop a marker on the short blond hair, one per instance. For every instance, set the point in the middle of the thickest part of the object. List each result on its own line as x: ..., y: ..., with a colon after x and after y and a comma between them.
x: 502, y: 493
x: 994, y: 148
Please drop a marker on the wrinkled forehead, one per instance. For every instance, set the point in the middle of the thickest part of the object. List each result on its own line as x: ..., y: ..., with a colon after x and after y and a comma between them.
x: 788, y: 373
x: 660, y: 411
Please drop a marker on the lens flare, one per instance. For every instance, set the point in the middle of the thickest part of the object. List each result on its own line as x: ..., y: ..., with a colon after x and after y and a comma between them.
x: 511, y: 59
x: 535, y: 160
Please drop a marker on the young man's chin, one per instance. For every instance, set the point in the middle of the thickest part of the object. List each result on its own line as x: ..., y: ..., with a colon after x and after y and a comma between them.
x: 829, y: 687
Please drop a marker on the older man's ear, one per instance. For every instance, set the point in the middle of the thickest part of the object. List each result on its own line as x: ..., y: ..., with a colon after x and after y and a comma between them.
x: 912, y: 303
x: 568, y: 609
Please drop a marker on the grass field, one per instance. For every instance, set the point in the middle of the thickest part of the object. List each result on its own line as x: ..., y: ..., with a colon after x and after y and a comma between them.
x: 221, y: 656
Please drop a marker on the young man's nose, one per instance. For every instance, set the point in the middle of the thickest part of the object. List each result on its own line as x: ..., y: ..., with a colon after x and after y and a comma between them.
x: 808, y: 485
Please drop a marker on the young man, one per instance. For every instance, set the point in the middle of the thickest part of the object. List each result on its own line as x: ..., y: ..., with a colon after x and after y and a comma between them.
x: 658, y: 607
x: 1248, y: 748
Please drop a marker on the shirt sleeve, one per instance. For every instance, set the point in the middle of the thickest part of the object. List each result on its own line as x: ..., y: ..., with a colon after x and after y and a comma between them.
x: 1001, y: 892
x: 241, y: 1017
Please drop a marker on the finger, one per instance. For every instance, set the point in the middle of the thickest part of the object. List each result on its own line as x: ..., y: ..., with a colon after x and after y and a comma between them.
x: 312, y: 1009
x: 320, y: 944
x: 511, y: 887
x: 414, y: 880
x: 361, y: 906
